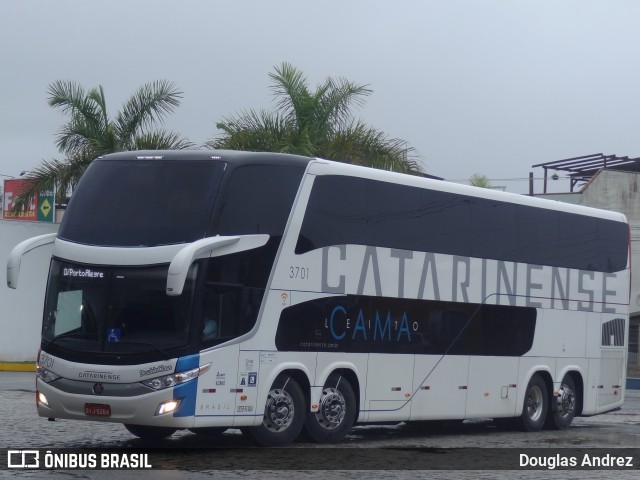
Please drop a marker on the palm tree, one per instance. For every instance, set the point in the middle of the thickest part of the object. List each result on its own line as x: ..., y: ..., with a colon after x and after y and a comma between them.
x: 90, y: 132
x: 481, y: 181
x: 315, y: 123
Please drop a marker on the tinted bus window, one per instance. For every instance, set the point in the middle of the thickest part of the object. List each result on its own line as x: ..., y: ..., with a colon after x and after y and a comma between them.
x: 258, y: 199
x: 347, y: 210
x: 363, y: 324
x: 142, y: 203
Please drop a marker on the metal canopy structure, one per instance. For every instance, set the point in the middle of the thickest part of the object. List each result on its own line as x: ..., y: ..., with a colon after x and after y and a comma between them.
x: 582, y: 169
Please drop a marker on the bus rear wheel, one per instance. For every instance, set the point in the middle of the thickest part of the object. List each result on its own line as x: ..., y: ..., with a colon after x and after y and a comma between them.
x: 283, y: 414
x: 536, y: 404
x: 563, y: 407
x: 146, y: 432
x: 336, y: 411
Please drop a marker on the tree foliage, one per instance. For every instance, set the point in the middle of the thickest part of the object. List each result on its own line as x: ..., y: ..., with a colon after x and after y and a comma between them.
x: 91, y: 132
x: 481, y: 181
x: 315, y: 123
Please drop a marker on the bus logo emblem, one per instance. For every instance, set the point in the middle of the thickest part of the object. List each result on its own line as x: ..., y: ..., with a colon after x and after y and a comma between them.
x: 98, y: 388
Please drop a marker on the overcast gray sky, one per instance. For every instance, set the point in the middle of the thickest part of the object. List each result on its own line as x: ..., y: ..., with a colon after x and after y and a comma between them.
x: 475, y: 86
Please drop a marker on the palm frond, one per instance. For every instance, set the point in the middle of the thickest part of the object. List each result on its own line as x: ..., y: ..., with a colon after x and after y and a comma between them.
x: 290, y: 87
x: 318, y: 123
x: 251, y: 131
x: 337, y: 101
x: 52, y: 175
x: 360, y: 144
x: 67, y: 96
x: 161, y: 140
x: 87, y: 116
x: 90, y: 133
x: 146, y: 107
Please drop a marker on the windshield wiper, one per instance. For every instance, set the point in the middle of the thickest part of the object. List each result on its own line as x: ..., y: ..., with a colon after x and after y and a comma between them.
x: 72, y: 333
x: 135, y: 342
x: 125, y: 342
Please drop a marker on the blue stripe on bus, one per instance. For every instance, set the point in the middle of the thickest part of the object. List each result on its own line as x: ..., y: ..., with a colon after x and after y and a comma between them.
x: 187, y: 392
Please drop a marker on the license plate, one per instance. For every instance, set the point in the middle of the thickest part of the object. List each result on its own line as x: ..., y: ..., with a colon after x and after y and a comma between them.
x: 97, y: 410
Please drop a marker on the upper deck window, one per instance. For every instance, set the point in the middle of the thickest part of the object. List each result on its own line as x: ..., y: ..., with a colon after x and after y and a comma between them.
x: 142, y: 202
x: 346, y: 210
x: 258, y: 199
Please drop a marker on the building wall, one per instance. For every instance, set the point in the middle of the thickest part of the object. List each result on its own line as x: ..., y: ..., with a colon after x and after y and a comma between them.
x: 21, y: 309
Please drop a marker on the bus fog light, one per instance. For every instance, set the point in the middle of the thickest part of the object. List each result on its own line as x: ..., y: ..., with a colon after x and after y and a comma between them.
x: 168, y: 407
x: 42, y: 398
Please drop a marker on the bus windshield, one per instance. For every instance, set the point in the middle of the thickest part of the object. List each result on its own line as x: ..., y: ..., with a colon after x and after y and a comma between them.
x: 115, y: 310
x: 120, y: 202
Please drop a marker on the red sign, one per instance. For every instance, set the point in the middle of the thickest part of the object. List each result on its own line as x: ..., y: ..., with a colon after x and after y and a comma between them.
x: 13, y: 188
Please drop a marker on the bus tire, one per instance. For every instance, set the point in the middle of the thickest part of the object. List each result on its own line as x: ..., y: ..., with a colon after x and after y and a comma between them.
x: 146, y: 432
x: 283, y: 414
x: 336, y: 412
x: 536, y: 405
x: 563, y: 407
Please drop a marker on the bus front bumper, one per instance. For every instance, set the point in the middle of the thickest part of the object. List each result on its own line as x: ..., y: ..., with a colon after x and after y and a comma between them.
x: 155, y: 408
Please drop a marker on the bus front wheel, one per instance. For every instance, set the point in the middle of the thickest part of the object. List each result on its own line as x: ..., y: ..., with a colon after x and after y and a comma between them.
x: 283, y: 414
x: 536, y: 404
x: 563, y: 407
x: 336, y: 411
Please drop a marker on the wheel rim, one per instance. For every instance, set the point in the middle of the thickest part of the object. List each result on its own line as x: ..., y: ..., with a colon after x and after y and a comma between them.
x: 332, y: 409
x: 279, y: 410
x: 566, y: 401
x: 534, y: 403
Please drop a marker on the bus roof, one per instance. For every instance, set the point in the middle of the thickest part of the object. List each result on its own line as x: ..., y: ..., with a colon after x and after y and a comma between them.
x: 320, y: 166
x: 327, y: 167
x: 233, y: 156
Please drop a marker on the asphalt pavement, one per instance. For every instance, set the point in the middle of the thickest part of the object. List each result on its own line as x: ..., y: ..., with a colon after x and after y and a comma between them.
x: 185, y: 455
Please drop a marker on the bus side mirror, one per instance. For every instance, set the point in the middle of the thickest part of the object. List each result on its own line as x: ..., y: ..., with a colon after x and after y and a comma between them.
x: 206, y: 248
x: 15, y: 257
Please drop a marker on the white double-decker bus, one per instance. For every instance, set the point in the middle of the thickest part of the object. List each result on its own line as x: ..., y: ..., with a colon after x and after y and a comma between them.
x: 209, y: 290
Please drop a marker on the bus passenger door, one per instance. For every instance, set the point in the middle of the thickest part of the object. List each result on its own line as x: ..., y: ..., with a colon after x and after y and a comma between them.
x: 389, y: 386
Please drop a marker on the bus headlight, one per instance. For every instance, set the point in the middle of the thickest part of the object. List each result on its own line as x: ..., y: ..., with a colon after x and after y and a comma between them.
x: 174, y: 379
x: 45, y: 375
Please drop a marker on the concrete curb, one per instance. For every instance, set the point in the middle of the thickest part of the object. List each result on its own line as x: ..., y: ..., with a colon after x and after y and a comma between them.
x: 17, y: 367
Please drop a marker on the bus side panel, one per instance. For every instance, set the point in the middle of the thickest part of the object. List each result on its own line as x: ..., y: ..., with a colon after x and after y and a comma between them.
x: 491, y: 391
x: 440, y: 386
x: 561, y: 333
x: 389, y: 386
x: 591, y: 387
x: 216, y: 400
x: 612, y: 379
x: 604, y: 388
